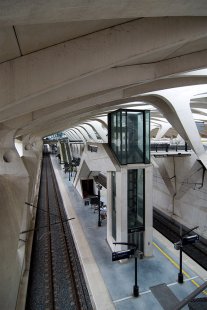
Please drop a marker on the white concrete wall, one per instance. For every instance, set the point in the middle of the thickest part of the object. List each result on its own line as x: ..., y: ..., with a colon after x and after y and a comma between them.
x: 32, y: 159
x: 121, y: 210
x: 18, y: 183
x: 188, y: 203
x: 110, y: 239
x: 121, y: 206
x: 148, y: 249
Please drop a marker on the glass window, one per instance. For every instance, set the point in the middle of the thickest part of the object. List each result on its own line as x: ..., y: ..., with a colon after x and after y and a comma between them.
x: 118, y: 132
x: 129, y: 136
x: 140, y: 138
x: 136, y: 200
x: 123, y: 136
x: 135, y: 139
x: 147, y: 137
x: 113, y: 131
x: 113, y: 200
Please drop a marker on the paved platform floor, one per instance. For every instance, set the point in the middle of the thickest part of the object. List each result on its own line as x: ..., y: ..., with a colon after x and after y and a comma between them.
x: 111, y: 283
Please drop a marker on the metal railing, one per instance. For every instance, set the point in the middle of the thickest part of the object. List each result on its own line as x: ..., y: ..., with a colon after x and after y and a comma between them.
x: 166, y: 147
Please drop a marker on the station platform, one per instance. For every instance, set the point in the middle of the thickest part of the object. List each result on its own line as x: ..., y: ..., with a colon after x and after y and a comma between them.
x: 110, y: 283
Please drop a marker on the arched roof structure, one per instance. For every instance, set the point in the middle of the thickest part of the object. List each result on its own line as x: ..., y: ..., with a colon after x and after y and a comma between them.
x: 58, y: 71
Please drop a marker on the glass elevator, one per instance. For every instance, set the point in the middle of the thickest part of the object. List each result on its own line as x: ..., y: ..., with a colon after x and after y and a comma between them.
x: 129, y: 140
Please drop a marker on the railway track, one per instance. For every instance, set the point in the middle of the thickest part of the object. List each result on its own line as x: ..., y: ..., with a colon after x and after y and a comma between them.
x: 56, y: 280
x: 171, y: 230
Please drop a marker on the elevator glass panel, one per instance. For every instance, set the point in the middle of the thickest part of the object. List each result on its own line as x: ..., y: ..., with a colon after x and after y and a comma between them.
x: 113, y: 132
x: 123, y: 137
x: 113, y: 203
x: 118, y: 135
x: 136, y: 201
x: 129, y: 135
x: 135, y: 139
x: 147, y: 136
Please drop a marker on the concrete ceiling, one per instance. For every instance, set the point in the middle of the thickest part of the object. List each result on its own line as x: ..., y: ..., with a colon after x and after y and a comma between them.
x: 32, y: 38
x: 37, y: 12
x: 63, y: 62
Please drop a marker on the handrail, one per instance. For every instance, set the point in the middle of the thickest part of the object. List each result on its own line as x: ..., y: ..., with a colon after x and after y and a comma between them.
x: 188, y: 298
x: 156, y: 147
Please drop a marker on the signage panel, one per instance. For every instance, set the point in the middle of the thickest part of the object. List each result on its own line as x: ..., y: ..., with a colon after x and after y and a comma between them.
x: 122, y: 254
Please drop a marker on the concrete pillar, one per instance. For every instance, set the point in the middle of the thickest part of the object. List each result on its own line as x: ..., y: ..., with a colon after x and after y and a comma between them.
x: 121, y: 204
x: 122, y: 208
x: 32, y: 158
x: 148, y: 248
x: 110, y: 239
x: 179, y: 100
x: 14, y: 183
x: 163, y: 130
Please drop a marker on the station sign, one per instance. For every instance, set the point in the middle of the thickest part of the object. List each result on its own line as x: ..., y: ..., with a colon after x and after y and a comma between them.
x: 185, y: 241
x: 94, y: 200
x: 190, y: 239
x: 135, y: 229
x: 122, y: 254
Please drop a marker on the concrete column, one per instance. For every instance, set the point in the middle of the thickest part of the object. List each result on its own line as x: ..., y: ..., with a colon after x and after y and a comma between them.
x: 179, y: 100
x: 14, y: 183
x: 70, y: 149
x: 121, y: 207
x: 32, y: 158
x: 110, y: 239
x: 162, y: 130
x: 148, y: 248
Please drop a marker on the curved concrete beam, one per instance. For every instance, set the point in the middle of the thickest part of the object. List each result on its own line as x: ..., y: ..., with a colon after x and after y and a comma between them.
x: 83, y: 133
x: 78, y: 134
x: 40, y: 72
x: 98, y: 127
x: 162, y: 130
x: 42, y: 103
x: 21, y: 12
x: 61, y: 110
x: 89, y: 130
x: 70, y: 135
x: 175, y: 105
x: 163, y: 84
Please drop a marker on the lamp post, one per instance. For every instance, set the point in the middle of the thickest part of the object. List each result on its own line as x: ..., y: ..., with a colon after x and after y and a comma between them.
x: 184, y: 240
x: 136, y: 287
x: 99, y: 187
x: 127, y: 254
x: 180, y: 274
x: 69, y: 172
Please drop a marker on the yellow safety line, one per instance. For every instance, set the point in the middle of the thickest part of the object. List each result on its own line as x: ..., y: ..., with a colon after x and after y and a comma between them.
x: 177, y: 266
